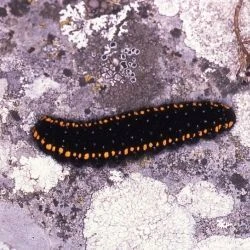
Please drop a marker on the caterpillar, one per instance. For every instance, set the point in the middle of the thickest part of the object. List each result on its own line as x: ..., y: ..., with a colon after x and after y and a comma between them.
x: 134, y: 132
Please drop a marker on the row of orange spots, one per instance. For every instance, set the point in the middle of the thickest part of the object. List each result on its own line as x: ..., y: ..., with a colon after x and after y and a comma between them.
x: 219, y: 104
x: 177, y: 106
x: 123, y: 116
x: 104, y: 121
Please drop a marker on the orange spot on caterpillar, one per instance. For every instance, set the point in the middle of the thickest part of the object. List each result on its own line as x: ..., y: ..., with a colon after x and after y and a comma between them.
x: 48, y: 146
x: 86, y: 156
x: 230, y: 124
x: 106, y: 155
x: 125, y: 151
x: 67, y: 154
x: 60, y: 150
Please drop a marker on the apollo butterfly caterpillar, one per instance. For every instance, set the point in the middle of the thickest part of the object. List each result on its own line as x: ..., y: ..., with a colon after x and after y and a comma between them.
x: 133, y: 132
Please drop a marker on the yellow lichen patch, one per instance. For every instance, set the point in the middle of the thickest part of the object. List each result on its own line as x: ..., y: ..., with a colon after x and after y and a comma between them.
x: 106, y: 155
x: 67, y: 154
x: 150, y: 144
x: 113, y: 153
x: 125, y: 151
x: 145, y: 146
x: 67, y: 21
x: 88, y: 78
x: 60, y: 150
x: 164, y: 143
x: 86, y: 156
x: 42, y: 141
x: 53, y: 148
x: 230, y: 124
x: 48, y: 146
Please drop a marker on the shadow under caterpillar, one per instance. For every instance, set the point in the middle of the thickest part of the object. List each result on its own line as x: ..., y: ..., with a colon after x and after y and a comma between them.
x: 131, y: 133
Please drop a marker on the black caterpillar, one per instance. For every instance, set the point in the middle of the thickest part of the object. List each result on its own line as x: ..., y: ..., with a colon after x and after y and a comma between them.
x: 133, y: 132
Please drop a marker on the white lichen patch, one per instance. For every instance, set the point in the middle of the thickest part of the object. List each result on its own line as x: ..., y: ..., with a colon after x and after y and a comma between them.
x: 137, y: 213
x: 242, y: 126
x: 167, y: 7
x: 37, y: 174
x: 4, y: 246
x: 223, y: 242
x: 40, y: 86
x: 4, y: 154
x: 203, y: 200
x: 3, y: 87
x: 209, y: 30
x: 208, y: 25
x: 78, y: 28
